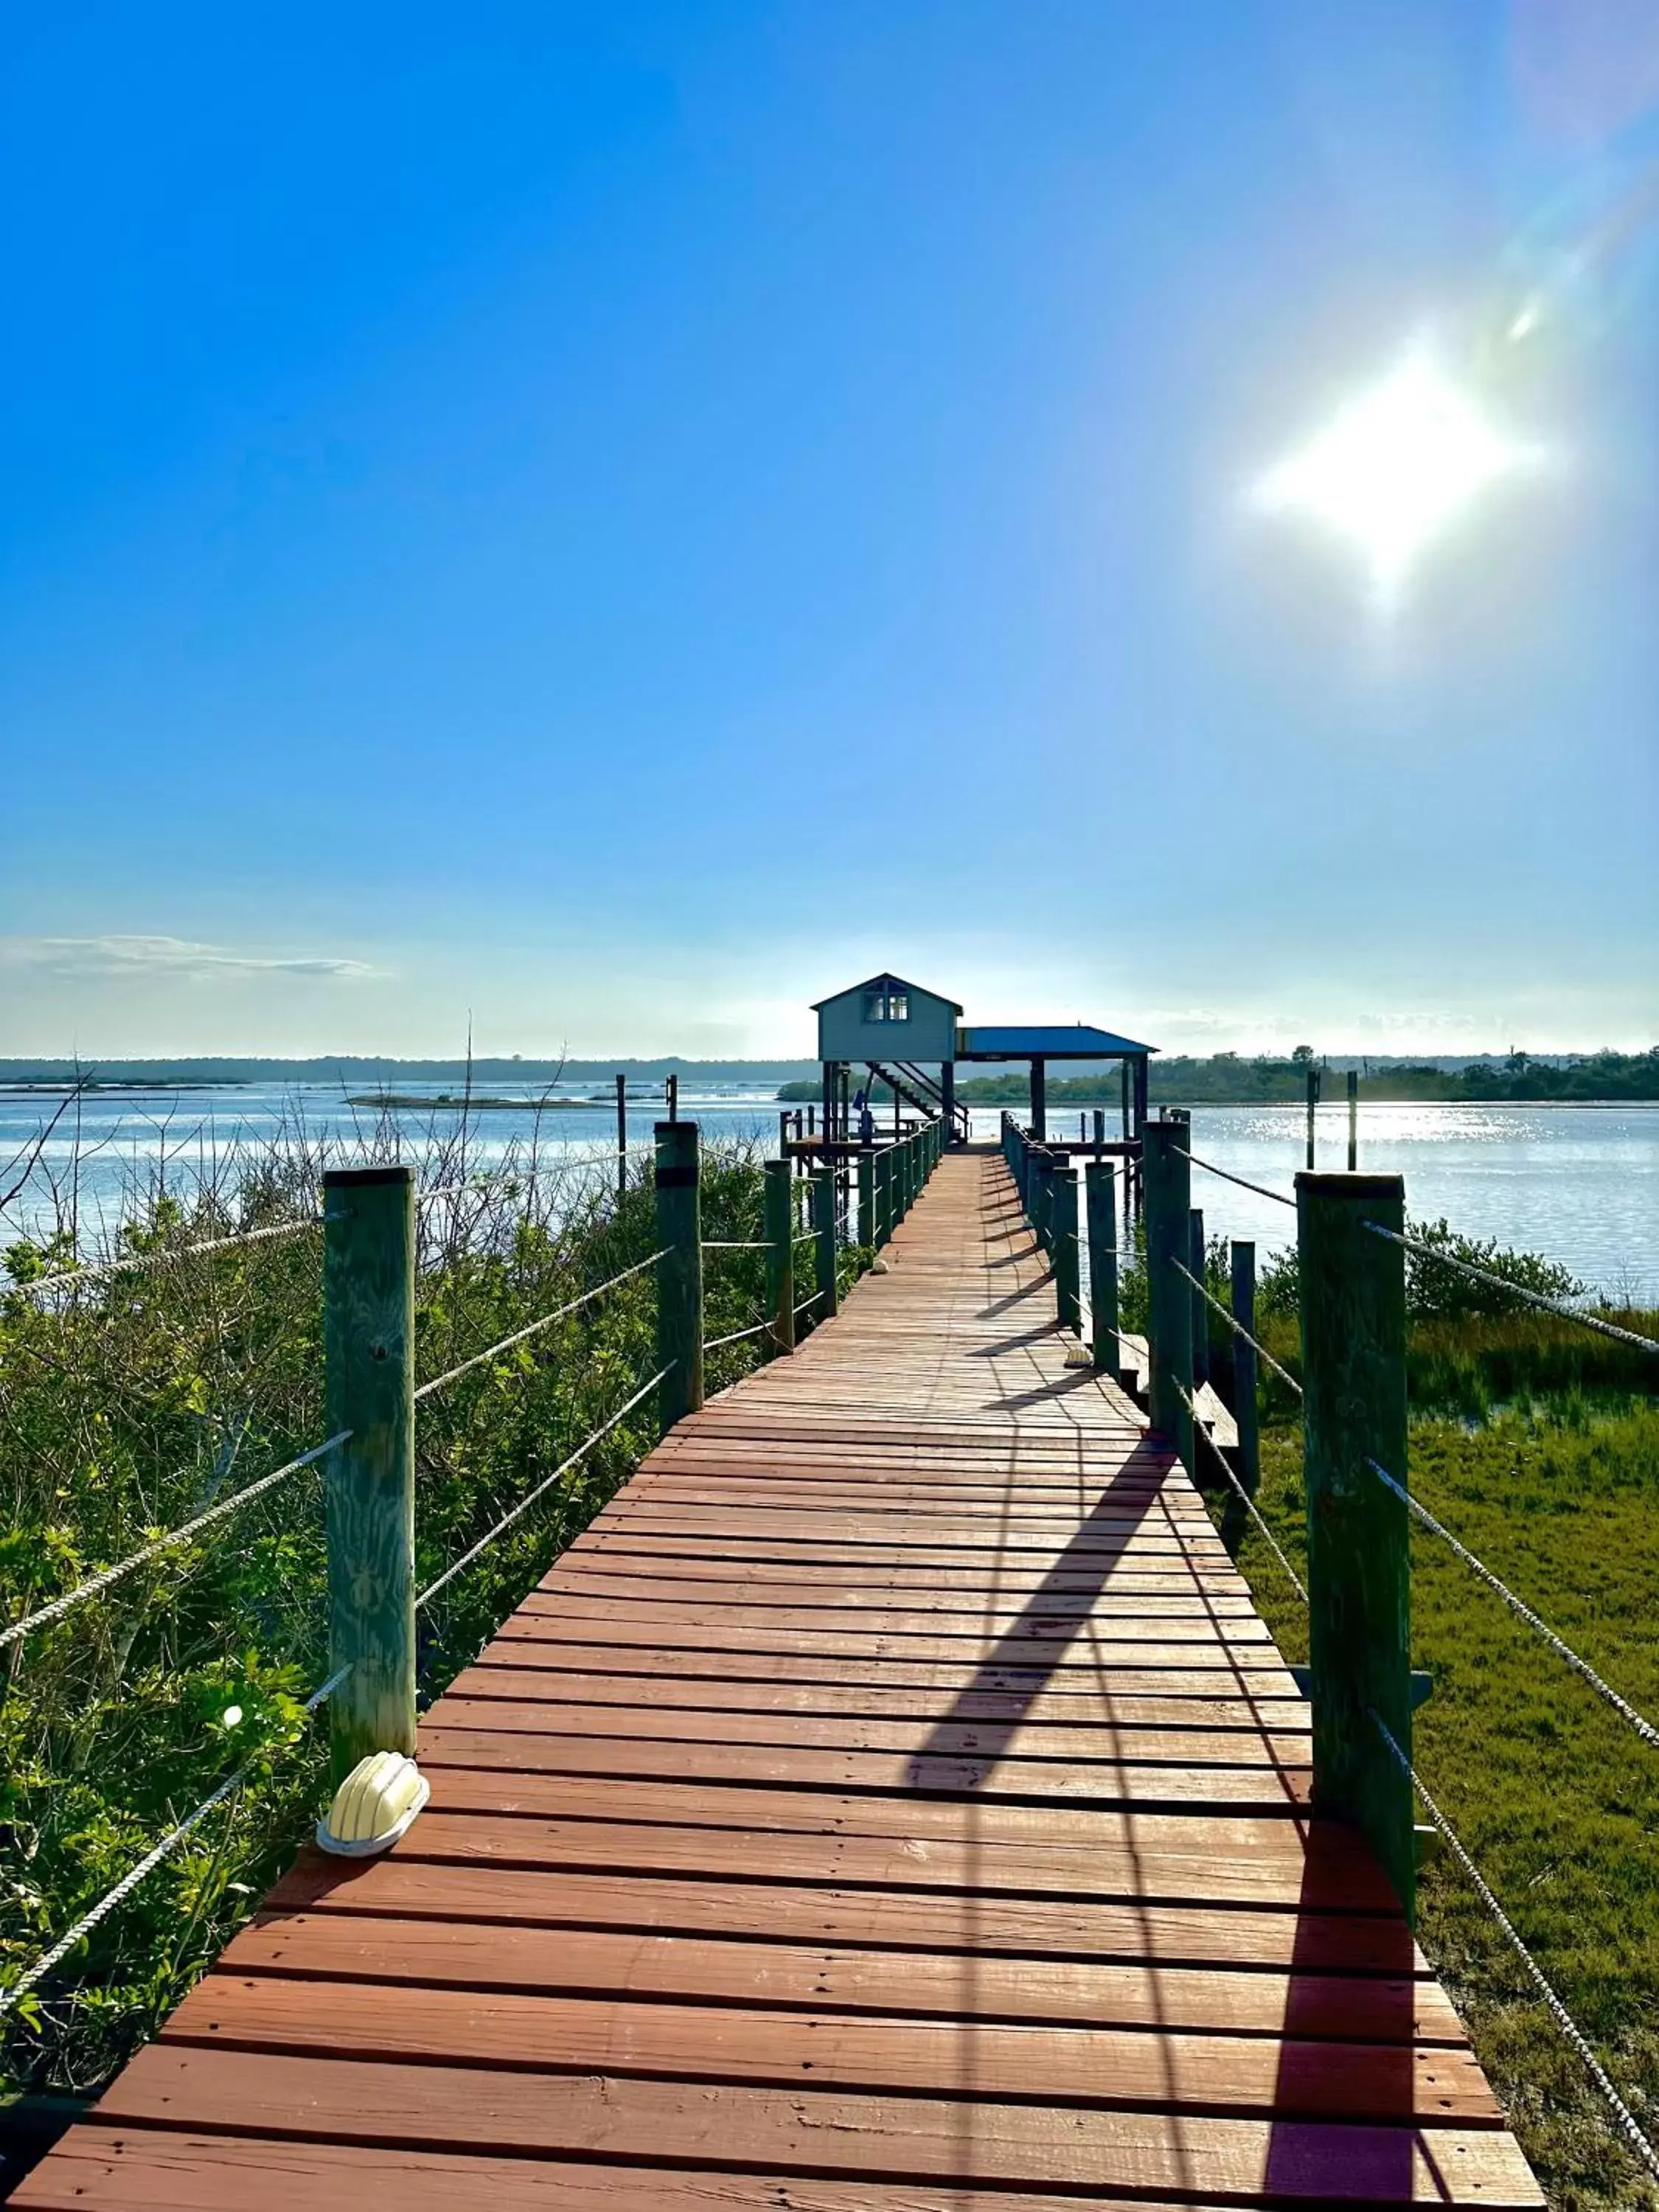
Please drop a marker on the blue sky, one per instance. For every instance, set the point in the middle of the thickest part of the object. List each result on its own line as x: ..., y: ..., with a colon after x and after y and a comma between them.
x: 615, y: 521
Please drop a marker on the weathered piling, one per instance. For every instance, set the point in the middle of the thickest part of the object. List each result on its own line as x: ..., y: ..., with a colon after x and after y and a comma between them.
x: 779, y: 1214
x: 823, y: 1242
x: 679, y: 1271
x: 1353, y: 1411
x: 1102, y: 1208
x: 1069, y: 1306
x: 1170, y: 1326
x: 368, y: 1351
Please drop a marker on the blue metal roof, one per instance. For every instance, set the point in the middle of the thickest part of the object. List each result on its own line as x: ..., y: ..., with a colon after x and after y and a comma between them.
x: 1022, y: 1041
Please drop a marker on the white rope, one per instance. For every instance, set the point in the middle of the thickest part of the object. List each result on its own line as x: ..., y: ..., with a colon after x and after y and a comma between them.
x: 525, y: 1503
x: 102, y: 1581
x: 1563, y: 2019
x: 96, y: 1268
x: 737, y: 1336
x: 1644, y: 1729
x: 532, y: 1328
x: 1243, y: 1182
x: 1237, y: 1326
x: 1250, y: 1502
x: 804, y: 1303
x: 481, y: 1186
x: 60, y: 1950
x: 1516, y: 1289
x: 736, y: 1244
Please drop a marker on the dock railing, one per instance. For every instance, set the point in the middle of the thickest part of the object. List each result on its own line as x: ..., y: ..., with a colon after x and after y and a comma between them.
x: 368, y: 1217
x: 1353, y: 1241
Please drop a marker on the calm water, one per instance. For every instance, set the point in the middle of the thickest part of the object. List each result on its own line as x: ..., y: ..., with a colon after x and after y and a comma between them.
x: 1581, y: 1183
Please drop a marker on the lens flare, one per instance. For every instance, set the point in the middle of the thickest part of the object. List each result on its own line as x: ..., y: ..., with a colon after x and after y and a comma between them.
x: 1397, y: 466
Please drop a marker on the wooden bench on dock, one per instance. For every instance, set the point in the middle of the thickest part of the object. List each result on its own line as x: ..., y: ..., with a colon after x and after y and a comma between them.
x: 892, y: 1800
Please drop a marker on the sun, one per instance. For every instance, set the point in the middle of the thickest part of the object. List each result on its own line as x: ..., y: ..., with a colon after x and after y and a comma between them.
x: 1397, y: 465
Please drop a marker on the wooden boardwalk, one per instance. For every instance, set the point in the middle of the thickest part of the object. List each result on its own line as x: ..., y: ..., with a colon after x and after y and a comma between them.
x: 893, y: 1801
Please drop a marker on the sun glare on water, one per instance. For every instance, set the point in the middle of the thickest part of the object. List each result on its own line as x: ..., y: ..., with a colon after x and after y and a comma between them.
x: 1396, y: 466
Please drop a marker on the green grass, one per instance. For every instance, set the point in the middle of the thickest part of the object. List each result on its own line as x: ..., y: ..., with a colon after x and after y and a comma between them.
x: 1555, y: 1798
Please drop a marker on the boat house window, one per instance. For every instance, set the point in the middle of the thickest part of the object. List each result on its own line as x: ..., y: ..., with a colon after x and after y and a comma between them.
x: 887, y: 1006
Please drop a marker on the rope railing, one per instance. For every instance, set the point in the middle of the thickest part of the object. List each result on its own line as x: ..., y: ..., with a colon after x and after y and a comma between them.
x: 1250, y: 1506
x: 1644, y: 1729
x: 380, y: 1238
x: 163, y: 1256
x: 1237, y: 1326
x: 1628, y: 2124
x: 103, y: 1580
x: 541, y: 1489
x: 505, y: 1178
x: 737, y: 1336
x: 1261, y: 1189
x: 534, y: 1327
x: 15, y: 1991
x: 1352, y: 1545
x: 1515, y: 1290
x: 736, y: 1244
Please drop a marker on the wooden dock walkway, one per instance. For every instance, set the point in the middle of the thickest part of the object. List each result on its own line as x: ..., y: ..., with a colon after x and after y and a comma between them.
x: 892, y: 1802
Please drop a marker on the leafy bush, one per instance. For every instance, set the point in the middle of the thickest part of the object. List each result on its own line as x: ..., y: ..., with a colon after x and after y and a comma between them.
x: 1435, y: 1291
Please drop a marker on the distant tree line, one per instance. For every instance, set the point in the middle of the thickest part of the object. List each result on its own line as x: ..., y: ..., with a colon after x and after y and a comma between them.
x: 1228, y: 1078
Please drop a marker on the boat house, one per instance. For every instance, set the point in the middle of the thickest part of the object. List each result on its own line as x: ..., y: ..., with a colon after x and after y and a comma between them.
x: 914, y: 1039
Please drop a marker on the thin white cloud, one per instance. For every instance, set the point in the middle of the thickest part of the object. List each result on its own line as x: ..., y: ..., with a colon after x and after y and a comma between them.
x: 131, y: 956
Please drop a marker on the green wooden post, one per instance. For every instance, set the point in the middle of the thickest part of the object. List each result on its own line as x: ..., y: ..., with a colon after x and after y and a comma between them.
x: 679, y: 1271
x: 823, y: 1221
x: 1353, y: 1120
x: 1247, y: 1460
x: 1103, y: 1268
x: 778, y: 1201
x: 1200, y: 1312
x: 1313, y: 1111
x: 866, y: 1230
x: 1169, y: 1328
x: 1244, y: 1366
x: 883, y: 1174
x: 1068, y: 1301
x: 1353, y: 1378
x: 622, y: 1135
x: 368, y: 1351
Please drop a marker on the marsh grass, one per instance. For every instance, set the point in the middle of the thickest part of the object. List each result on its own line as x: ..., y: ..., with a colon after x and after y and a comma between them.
x: 1556, y: 1799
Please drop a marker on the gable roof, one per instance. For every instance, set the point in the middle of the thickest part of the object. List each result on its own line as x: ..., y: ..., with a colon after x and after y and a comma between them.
x: 880, y: 982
